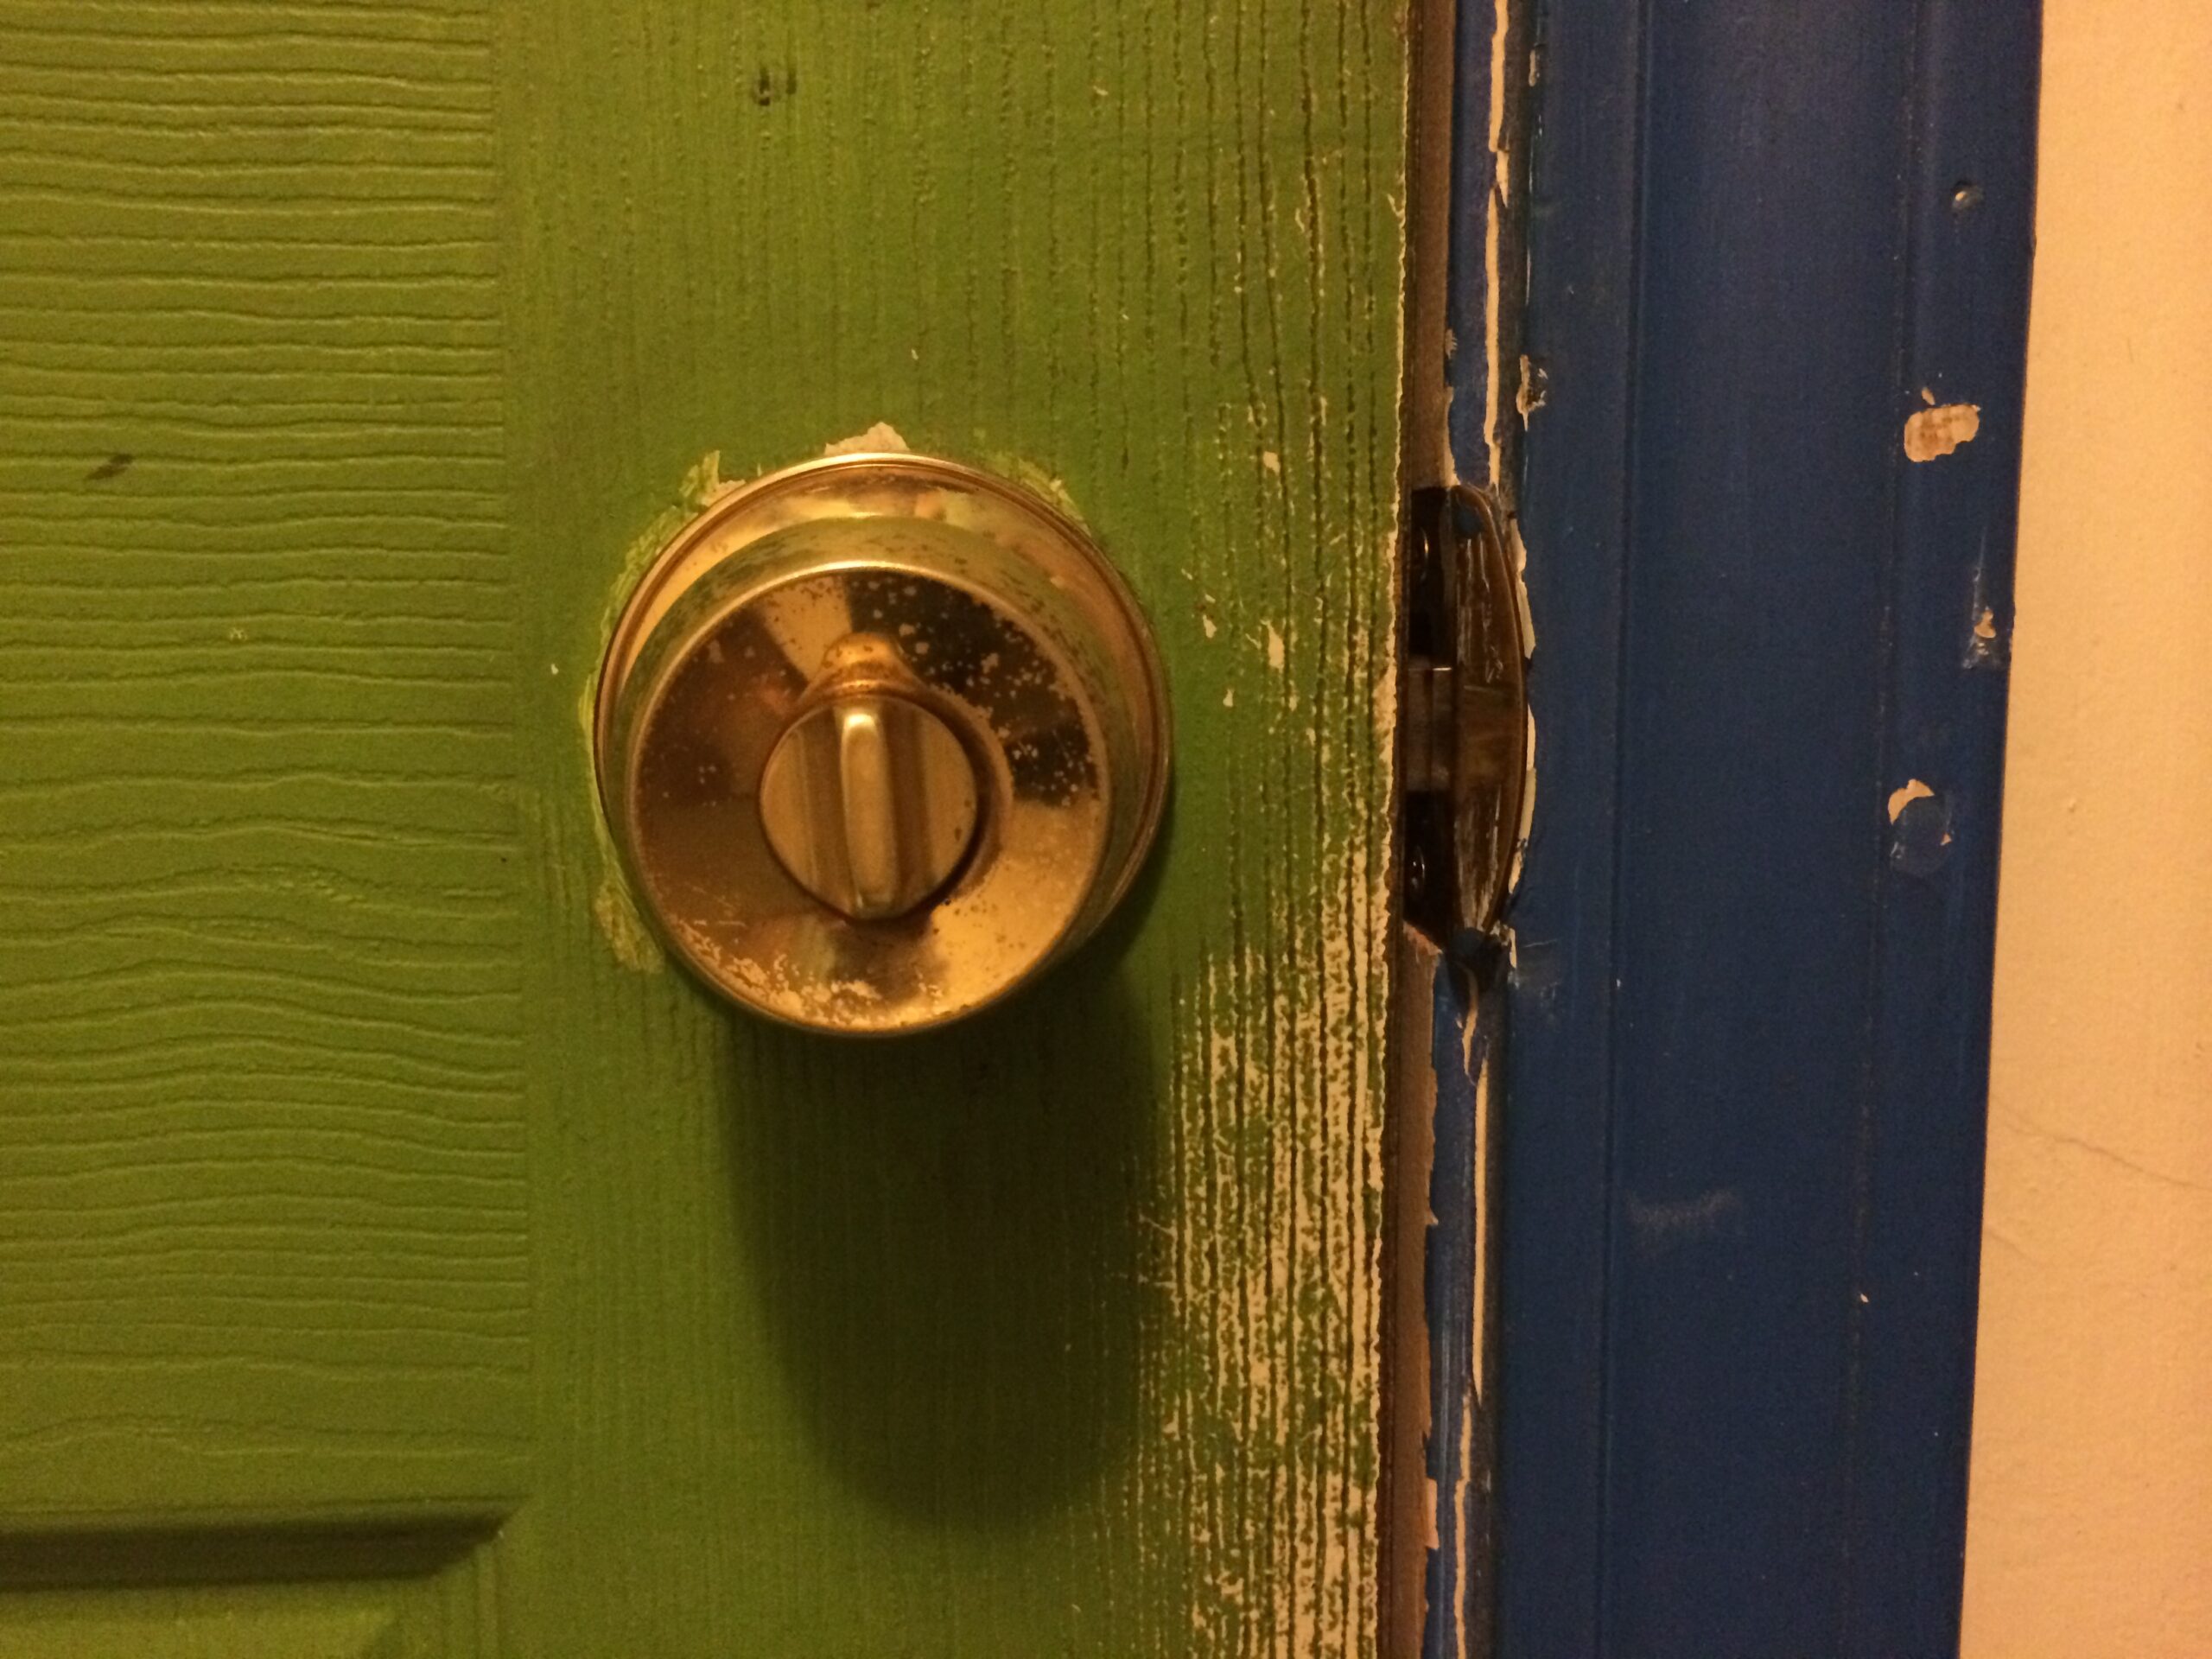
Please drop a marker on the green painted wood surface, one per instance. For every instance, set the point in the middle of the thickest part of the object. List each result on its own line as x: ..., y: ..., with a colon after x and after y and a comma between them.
x: 393, y: 1258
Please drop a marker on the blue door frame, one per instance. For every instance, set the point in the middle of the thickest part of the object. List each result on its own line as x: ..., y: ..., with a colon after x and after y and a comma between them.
x: 1746, y: 1048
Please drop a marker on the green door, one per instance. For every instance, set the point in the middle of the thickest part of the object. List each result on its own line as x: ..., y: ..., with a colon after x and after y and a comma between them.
x: 397, y: 1256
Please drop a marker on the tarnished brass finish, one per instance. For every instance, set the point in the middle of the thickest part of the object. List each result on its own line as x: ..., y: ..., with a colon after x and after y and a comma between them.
x: 1463, y: 735
x: 869, y: 801
x: 879, y: 737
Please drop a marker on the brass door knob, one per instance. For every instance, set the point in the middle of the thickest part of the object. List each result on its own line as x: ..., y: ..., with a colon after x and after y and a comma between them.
x: 880, y: 738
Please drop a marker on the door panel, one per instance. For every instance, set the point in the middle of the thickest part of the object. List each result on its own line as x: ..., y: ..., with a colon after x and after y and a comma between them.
x: 264, y: 1242
x: 398, y: 1255
x: 319, y: 1613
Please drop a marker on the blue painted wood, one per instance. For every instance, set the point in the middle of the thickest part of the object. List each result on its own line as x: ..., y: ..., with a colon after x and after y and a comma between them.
x: 1475, y: 207
x: 1458, y: 1039
x: 1467, y: 1021
x: 1550, y: 1504
x: 1747, y: 1057
x: 1972, y: 193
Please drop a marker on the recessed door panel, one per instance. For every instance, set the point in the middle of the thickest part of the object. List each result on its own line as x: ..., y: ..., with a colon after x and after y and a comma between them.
x: 263, y: 1235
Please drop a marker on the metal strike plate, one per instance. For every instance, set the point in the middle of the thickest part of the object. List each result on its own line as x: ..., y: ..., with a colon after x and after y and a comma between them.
x: 1464, y: 742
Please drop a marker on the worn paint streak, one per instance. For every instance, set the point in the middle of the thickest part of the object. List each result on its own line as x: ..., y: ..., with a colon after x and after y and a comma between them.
x: 1495, y: 221
x: 1938, y: 432
x: 1455, y: 1305
x: 1661, y: 1222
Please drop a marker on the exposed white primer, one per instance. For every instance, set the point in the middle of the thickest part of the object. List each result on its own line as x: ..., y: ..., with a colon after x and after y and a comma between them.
x: 880, y: 439
x: 1275, y: 1201
x: 1493, y: 222
x: 1936, y: 431
x: 1901, y: 799
x: 613, y: 906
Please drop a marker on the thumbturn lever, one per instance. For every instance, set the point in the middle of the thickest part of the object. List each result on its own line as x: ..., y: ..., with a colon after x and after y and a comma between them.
x: 869, y: 799
x: 880, y: 738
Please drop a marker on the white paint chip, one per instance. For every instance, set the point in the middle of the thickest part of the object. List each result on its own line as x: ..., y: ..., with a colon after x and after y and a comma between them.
x: 1913, y: 791
x: 1271, y: 461
x: 882, y: 437
x: 1277, y: 653
x: 1936, y: 431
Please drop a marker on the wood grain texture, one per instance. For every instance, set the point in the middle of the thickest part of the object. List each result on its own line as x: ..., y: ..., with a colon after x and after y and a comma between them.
x: 1749, y: 1005
x: 350, y: 349
x: 262, y: 1180
x: 1056, y: 1333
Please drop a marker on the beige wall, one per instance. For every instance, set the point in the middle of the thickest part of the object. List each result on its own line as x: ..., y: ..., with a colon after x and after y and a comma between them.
x: 2090, y: 1526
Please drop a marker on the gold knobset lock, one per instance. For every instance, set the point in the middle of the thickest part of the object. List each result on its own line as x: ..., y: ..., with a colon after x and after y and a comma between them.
x: 880, y: 738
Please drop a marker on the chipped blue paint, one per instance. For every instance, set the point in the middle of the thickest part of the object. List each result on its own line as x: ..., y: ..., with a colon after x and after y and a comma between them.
x: 1747, y: 1055
x: 1456, y: 1575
